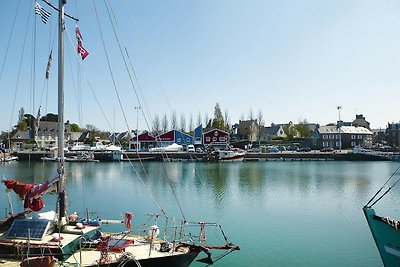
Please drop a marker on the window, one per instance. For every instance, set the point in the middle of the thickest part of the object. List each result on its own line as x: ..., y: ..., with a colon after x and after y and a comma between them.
x: 337, y: 144
x: 222, y: 139
x: 214, y: 139
x: 208, y: 139
x: 359, y: 136
x: 188, y: 140
x: 353, y: 144
x: 353, y: 137
x: 325, y: 136
x: 325, y: 144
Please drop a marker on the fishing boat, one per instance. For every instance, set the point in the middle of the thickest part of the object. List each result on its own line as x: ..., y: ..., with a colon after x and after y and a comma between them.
x: 34, y: 238
x: 385, y: 231
x: 230, y: 155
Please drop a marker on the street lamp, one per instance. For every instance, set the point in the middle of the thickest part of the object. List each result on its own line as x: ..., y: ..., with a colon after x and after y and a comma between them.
x: 339, y: 126
x: 137, y: 127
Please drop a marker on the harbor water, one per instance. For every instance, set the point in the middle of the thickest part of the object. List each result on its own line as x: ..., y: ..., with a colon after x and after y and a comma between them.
x: 279, y: 213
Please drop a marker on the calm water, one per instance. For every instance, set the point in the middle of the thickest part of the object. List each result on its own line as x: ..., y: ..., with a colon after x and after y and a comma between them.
x: 280, y: 213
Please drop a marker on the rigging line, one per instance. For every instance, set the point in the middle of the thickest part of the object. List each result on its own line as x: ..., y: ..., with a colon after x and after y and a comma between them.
x: 88, y: 82
x: 152, y: 193
x: 391, y: 176
x: 387, y: 191
x: 58, y: 10
x: 134, y: 74
x: 33, y: 73
x: 109, y: 66
x: 168, y: 179
x: 9, y: 39
x: 147, y: 54
x: 20, y: 66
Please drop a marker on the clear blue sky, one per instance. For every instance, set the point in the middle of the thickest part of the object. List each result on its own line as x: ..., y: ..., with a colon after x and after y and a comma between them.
x: 293, y: 60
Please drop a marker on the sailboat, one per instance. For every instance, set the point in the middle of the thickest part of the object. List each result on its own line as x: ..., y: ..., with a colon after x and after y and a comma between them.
x: 31, y: 238
x: 385, y: 231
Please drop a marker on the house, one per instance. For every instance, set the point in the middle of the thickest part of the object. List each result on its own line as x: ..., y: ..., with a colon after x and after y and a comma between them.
x: 198, y: 135
x: 248, y: 130
x: 144, y: 142
x: 174, y: 136
x: 361, y: 122
x: 272, y: 132
x: 215, y: 139
x: 19, y: 139
x: 393, y: 134
x: 46, y: 135
x: 347, y: 136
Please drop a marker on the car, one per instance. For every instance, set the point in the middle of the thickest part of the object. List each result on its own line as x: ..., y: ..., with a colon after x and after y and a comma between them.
x: 305, y: 149
x: 326, y: 149
x: 272, y: 149
x: 199, y: 150
x: 190, y: 148
x: 293, y: 148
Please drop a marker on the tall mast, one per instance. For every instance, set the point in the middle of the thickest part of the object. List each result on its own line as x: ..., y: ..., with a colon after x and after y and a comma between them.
x: 61, y: 183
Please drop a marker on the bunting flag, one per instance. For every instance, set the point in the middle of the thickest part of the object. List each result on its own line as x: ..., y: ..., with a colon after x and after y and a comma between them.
x: 42, y: 12
x: 80, y: 50
x: 49, y: 64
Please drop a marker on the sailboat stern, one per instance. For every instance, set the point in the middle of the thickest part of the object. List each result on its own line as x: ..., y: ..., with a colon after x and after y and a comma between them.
x: 386, y: 233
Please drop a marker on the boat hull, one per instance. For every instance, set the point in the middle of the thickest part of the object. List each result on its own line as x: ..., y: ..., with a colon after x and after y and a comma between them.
x: 182, y: 260
x: 387, y: 238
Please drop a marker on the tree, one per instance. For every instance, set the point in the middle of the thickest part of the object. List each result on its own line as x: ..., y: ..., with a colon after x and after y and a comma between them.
x: 290, y: 130
x: 303, y: 129
x: 226, y: 120
x: 198, y: 119
x: 173, y: 120
x: 50, y: 117
x: 156, y: 125
x: 74, y: 127
x: 190, y: 123
x: 218, y: 121
x: 164, y: 123
x: 251, y: 116
x: 260, y: 125
x: 207, y: 120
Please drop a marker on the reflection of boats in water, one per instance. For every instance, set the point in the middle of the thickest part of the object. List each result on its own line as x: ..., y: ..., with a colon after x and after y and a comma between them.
x: 81, y: 156
x: 385, y: 231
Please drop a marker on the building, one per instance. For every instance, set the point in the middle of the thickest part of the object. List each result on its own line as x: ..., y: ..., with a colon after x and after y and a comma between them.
x: 145, y: 142
x: 174, y: 136
x: 348, y: 136
x: 272, y: 132
x: 361, y: 122
x: 393, y: 135
x: 198, y: 135
x: 248, y: 130
x: 216, y: 139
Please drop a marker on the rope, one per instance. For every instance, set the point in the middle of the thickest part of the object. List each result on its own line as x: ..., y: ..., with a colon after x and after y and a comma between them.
x: 9, y: 39
x: 391, y: 176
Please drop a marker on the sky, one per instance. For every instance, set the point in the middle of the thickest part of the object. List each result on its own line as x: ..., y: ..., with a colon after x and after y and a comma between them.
x: 289, y: 60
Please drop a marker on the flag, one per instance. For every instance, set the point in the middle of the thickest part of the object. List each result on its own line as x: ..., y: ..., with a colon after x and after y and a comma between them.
x: 82, y: 51
x: 78, y: 33
x: 43, y: 13
x: 49, y: 64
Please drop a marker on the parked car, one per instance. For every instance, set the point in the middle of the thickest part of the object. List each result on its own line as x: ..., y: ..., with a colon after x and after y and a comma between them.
x: 190, y: 148
x: 326, y: 149
x: 293, y: 148
x: 272, y: 149
x: 305, y: 149
x: 199, y: 150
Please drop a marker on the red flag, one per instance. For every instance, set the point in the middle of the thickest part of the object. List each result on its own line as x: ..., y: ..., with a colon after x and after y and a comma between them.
x: 78, y: 33
x: 82, y: 51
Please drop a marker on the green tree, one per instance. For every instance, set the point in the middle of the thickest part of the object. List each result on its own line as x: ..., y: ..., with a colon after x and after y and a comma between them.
x: 303, y: 129
x: 74, y: 127
x: 218, y: 121
x: 290, y: 131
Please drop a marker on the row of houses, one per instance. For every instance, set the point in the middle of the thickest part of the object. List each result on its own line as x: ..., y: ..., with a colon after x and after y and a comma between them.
x: 340, y: 135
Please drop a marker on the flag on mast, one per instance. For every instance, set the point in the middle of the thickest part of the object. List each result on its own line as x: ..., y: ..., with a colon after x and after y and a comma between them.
x: 39, y: 10
x: 80, y: 49
x: 49, y: 64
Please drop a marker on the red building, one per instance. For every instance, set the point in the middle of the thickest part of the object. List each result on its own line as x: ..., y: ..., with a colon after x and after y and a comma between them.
x: 146, y: 141
x: 215, y: 139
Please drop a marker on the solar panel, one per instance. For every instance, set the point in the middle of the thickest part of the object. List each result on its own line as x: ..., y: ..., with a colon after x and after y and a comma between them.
x: 37, y: 229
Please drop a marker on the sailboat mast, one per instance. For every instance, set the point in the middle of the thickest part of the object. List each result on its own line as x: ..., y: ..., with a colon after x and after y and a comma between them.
x: 61, y: 184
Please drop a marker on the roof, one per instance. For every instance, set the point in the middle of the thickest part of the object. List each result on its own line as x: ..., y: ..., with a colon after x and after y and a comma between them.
x: 272, y: 129
x: 21, y: 135
x: 344, y: 130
